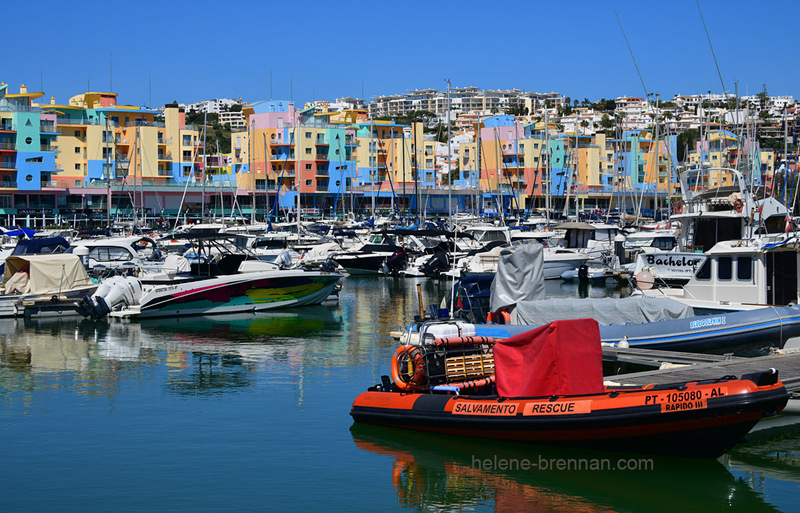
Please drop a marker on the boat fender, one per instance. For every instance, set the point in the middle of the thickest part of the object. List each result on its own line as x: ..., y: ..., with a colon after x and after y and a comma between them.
x: 414, y: 358
x: 763, y: 378
x: 498, y: 317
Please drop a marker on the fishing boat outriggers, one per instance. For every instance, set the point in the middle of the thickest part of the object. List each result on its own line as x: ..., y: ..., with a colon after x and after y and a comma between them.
x: 546, y: 386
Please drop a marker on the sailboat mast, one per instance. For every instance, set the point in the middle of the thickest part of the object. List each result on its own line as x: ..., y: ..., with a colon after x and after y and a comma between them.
x: 266, y: 181
x: 108, y: 176
x: 205, y: 163
x: 547, y: 182
x: 657, y: 177
x: 373, y: 161
x: 449, y: 166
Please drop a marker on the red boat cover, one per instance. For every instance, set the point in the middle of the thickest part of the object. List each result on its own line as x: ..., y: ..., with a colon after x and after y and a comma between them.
x: 560, y: 358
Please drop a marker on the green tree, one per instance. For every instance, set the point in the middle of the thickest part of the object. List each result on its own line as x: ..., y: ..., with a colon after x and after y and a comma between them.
x: 763, y: 97
x: 687, y: 140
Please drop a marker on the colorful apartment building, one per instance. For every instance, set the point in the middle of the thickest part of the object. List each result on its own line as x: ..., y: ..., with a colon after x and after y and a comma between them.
x: 27, y: 153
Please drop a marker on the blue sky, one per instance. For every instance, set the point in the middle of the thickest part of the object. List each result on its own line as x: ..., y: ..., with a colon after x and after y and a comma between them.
x: 153, y: 52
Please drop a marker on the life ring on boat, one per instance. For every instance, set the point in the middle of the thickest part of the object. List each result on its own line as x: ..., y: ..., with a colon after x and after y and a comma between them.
x: 738, y: 205
x: 413, y: 377
x: 678, y: 207
x: 498, y: 317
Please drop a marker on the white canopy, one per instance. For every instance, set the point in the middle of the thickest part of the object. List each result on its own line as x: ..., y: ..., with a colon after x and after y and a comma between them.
x: 48, y: 273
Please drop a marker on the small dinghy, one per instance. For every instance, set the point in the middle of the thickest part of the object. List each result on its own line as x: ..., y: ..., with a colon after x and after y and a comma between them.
x: 546, y: 386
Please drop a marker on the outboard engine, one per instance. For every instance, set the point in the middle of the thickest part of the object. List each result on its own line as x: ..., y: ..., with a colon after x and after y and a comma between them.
x: 284, y: 260
x: 112, y: 292
x: 329, y: 266
x: 437, y: 263
x: 397, y: 261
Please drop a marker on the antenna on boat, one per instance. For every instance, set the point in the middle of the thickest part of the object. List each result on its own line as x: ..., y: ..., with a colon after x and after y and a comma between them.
x: 632, y: 57
x: 724, y: 91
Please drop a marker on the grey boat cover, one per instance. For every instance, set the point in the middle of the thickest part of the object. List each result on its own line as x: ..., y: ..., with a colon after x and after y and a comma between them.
x: 604, y: 310
x: 519, y: 276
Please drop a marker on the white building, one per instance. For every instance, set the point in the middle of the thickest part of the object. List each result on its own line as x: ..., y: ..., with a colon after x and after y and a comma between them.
x: 214, y: 106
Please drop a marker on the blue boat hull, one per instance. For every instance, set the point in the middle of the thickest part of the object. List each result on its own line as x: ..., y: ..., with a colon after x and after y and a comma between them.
x: 768, y: 326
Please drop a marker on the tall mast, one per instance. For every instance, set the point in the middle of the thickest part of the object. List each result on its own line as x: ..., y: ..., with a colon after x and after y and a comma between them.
x: 547, y: 182
x: 205, y: 163
x: 449, y: 166
x: 372, y: 159
x: 658, y: 167
x: 476, y: 206
x: 108, y: 176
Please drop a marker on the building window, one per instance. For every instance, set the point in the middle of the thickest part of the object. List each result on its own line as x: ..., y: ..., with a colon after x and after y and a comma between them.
x: 308, y: 135
x: 77, y: 149
x: 309, y: 183
x: 308, y: 166
x: 187, y: 140
x: 77, y: 167
x: 308, y: 151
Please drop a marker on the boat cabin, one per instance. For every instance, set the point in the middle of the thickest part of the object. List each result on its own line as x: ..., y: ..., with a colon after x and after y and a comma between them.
x: 729, y: 211
x: 733, y: 275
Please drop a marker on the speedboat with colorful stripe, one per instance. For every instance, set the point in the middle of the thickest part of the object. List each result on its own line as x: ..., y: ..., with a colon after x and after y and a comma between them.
x: 227, y: 290
x: 546, y: 386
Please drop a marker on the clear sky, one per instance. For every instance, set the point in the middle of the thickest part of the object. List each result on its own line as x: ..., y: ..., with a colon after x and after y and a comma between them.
x: 153, y: 52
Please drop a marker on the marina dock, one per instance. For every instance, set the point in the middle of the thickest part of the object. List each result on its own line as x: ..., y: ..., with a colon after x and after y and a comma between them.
x: 696, y: 367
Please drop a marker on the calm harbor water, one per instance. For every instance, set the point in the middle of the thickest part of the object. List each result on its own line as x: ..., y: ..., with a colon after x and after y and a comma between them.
x: 250, y: 413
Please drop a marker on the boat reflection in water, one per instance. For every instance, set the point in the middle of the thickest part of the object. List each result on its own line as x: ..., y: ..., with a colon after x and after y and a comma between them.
x: 433, y: 472
x: 208, y: 354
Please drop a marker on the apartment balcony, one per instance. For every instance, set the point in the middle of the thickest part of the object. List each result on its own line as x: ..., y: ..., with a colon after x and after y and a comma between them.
x: 165, y: 141
x: 7, y: 165
x: 321, y: 156
x: 6, y: 127
x: 164, y: 156
x: 68, y: 121
x: 48, y: 147
x: 48, y: 127
x: 8, y: 146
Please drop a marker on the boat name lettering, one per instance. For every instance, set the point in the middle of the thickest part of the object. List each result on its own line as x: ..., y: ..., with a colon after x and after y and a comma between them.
x: 483, y: 408
x: 673, y: 261
x: 558, y: 408
x: 687, y: 405
x: 705, y: 323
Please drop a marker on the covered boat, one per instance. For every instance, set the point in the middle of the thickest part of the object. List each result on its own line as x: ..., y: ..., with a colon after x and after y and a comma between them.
x: 42, y: 285
x: 546, y: 386
x: 517, y: 298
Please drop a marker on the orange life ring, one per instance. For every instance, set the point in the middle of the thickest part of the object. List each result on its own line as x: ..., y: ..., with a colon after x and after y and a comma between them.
x: 500, y: 315
x: 738, y: 205
x: 413, y: 377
